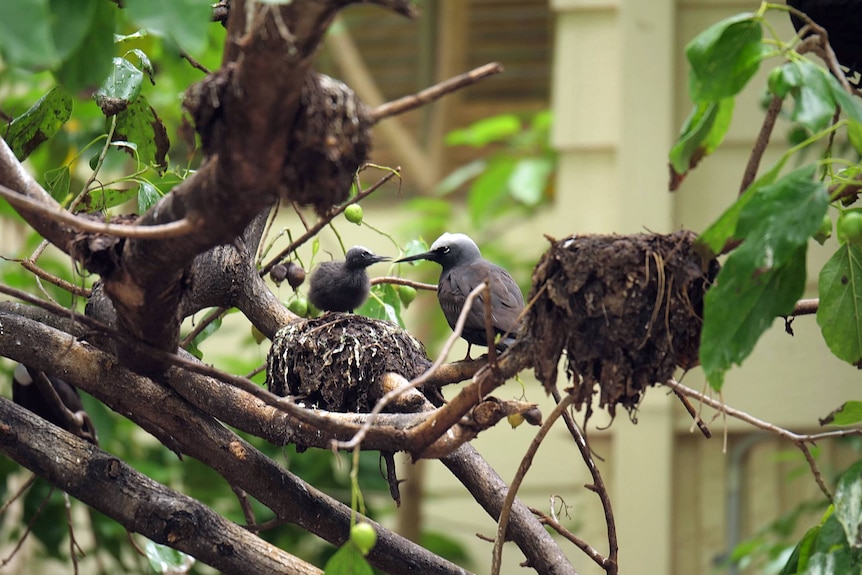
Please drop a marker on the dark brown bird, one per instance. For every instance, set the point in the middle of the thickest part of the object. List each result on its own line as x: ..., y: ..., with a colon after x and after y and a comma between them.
x: 464, y: 268
x: 842, y: 20
x: 52, y: 399
x: 342, y: 286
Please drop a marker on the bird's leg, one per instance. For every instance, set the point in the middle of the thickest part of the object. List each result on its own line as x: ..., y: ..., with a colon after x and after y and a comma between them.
x: 469, y: 347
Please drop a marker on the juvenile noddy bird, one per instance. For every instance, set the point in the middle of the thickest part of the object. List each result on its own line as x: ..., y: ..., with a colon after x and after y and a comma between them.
x: 464, y: 268
x: 343, y: 286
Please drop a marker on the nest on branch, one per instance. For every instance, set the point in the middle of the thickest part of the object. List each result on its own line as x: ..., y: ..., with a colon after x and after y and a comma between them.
x: 338, y: 362
x: 330, y: 141
x: 627, y: 310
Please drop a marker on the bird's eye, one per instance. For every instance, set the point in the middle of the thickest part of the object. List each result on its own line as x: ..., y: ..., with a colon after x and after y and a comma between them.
x: 444, y: 250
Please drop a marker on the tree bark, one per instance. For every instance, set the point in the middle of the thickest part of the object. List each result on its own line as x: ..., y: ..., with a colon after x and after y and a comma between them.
x: 140, y: 504
x: 185, y: 429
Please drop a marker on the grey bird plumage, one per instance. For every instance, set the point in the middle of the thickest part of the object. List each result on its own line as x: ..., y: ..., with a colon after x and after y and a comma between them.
x: 343, y: 285
x: 464, y: 268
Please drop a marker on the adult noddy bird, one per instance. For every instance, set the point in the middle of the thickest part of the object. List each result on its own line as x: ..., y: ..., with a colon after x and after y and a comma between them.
x: 464, y: 268
x: 342, y: 286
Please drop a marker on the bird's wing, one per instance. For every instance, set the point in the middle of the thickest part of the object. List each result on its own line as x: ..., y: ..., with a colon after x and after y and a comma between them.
x: 507, y: 302
x: 506, y: 299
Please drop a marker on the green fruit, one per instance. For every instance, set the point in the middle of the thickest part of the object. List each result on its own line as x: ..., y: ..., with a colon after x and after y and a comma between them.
x: 312, y: 310
x: 299, y: 306
x: 850, y: 227
x: 363, y: 536
x: 353, y: 213
x: 515, y: 419
x: 825, y: 231
x: 406, y: 294
x: 257, y: 335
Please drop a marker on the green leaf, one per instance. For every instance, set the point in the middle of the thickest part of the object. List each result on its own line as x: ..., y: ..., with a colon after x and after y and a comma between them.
x: 58, y: 183
x: 164, y: 559
x: 850, y: 104
x: 702, y: 133
x: 786, y: 213
x: 742, y: 305
x: 763, y: 278
x: 184, y: 22
x: 383, y: 303
x: 50, y: 526
x: 86, y: 67
x: 839, y: 314
x: 146, y: 65
x: 460, y: 176
x: 850, y: 413
x: 413, y: 247
x: 714, y: 238
x: 854, y: 133
x: 529, y: 179
x: 848, y: 504
x: 724, y: 57
x: 485, y: 131
x: 801, y: 553
x: 25, y: 35
x: 104, y: 198
x: 489, y: 190
x: 41, y: 122
x: 784, y: 78
x: 120, y: 88
x: 347, y: 561
x: 71, y: 21
x: 814, y: 101
x: 148, y: 195
x: 140, y: 124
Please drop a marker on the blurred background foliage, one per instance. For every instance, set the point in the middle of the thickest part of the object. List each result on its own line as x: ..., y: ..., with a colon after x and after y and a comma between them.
x: 144, y: 55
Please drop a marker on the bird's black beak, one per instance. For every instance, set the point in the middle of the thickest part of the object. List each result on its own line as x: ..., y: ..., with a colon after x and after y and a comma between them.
x: 377, y: 259
x: 423, y: 256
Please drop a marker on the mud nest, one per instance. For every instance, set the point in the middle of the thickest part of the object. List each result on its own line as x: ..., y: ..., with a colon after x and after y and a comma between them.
x: 330, y: 141
x: 627, y: 310
x: 336, y: 362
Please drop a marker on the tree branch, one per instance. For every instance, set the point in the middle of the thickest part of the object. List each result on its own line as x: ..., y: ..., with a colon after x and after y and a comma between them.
x: 179, y: 425
x: 140, y: 504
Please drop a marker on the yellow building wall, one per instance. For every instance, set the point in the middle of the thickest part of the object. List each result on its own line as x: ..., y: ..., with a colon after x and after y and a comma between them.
x: 620, y: 97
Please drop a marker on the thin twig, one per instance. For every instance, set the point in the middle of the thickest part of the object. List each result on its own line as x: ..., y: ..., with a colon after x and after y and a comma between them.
x: 435, y: 92
x: 193, y: 62
x: 805, y: 307
x: 610, y: 563
x: 202, y: 325
x: 21, y: 490
x: 28, y: 529
x: 74, y: 548
x: 701, y: 424
x: 524, y: 466
x: 323, y: 222
x: 97, y: 168
x: 416, y: 381
x: 174, y: 229
x: 31, y: 266
x: 590, y: 551
x: 402, y: 282
x: 801, y: 441
x: 760, y: 143
x: 245, y: 504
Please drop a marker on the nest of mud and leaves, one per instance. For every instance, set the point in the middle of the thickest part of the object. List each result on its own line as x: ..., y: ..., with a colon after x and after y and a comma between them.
x: 336, y: 362
x: 627, y: 311
x: 329, y: 139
